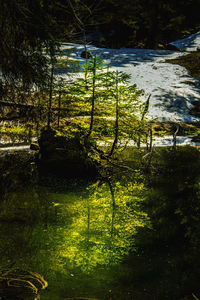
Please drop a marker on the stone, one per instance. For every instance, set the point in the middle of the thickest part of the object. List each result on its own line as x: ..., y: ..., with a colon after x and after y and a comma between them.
x: 67, y: 156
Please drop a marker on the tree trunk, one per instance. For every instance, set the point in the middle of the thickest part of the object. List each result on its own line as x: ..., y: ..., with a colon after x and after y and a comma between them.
x: 174, y: 137
x: 151, y: 140
x: 50, y: 96
x: 116, y: 118
x: 152, y: 24
x: 93, y: 97
x: 59, y: 106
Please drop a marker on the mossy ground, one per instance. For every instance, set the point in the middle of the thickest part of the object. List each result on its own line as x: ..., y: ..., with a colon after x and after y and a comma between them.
x: 168, y: 128
x: 191, y: 62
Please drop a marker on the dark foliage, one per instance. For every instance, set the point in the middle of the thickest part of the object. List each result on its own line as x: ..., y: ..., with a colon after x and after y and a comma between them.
x: 29, y: 31
x: 167, y: 260
x: 146, y: 23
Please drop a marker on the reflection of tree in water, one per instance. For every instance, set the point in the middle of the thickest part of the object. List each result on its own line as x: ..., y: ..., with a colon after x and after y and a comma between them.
x: 102, y: 226
x: 80, y: 240
x: 168, y: 261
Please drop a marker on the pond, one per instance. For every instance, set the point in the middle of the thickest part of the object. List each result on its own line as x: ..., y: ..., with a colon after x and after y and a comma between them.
x: 129, y: 236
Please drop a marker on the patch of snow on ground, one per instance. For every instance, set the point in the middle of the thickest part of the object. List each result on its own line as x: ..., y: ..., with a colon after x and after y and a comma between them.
x: 172, y: 89
x: 190, y: 43
x: 165, y: 141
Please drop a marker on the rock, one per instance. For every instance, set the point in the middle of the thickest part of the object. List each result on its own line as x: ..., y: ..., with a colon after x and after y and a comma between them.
x: 66, y: 156
x: 86, y: 54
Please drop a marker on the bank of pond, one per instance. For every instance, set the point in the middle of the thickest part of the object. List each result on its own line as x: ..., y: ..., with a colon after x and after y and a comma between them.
x: 129, y: 231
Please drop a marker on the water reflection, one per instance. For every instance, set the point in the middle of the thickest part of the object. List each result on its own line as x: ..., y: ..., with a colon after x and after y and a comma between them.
x: 167, y: 265
x: 73, y: 238
x: 102, y: 226
x: 137, y: 238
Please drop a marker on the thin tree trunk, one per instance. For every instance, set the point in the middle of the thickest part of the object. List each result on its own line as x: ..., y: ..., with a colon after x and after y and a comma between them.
x: 174, y: 137
x: 151, y: 140
x: 152, y: 38
x: 116, y: 118
x: 1, y: 89
x: 93, y: 97
x: 147, y: 145
x: 113, y: 206
x: 145, y: 111
x: 88, y: 223
x: 86, y: 69
x: 139, y: 141
x: 50, y: 96
x: 38, y: 115
x: 59, y: 106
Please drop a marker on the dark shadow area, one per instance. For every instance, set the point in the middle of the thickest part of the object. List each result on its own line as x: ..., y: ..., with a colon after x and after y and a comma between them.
x: 131, y: 237
x: 167, y: 264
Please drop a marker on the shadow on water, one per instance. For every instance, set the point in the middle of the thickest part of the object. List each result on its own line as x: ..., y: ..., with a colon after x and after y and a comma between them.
x: 133, y: 238
x: 167, y: 264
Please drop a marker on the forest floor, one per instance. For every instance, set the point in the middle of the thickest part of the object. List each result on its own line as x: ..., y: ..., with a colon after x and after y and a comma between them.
x: 171, y: 77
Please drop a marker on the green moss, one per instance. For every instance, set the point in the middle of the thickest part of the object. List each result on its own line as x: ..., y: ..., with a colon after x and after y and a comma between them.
x: 162, y: 129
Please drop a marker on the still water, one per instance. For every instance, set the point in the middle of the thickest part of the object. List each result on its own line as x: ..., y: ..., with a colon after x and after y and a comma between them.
x: 134, y: 236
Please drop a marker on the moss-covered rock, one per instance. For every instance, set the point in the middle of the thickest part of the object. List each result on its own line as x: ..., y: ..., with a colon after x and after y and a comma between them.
x: 66, y: 156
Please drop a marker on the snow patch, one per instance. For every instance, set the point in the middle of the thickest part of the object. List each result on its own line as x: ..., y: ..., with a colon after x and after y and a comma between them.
x: 190, y: 43
x: 171, y: 94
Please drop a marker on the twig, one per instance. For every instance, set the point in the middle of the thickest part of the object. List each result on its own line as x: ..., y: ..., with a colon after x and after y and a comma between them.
x: 107, y: 158
x: 195, y: 297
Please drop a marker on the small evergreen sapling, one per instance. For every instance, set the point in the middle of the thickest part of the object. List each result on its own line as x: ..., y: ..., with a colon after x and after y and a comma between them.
x: 106, y: 96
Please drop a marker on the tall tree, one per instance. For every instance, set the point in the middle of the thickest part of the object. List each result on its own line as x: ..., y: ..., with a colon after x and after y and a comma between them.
x: 29, y: 32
